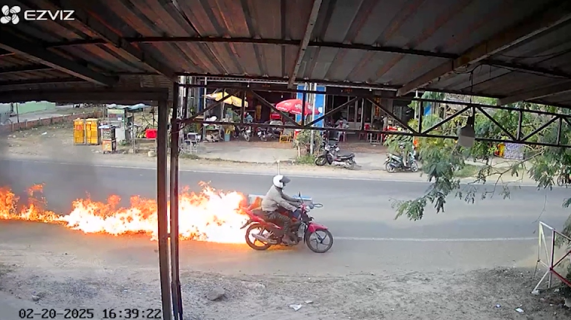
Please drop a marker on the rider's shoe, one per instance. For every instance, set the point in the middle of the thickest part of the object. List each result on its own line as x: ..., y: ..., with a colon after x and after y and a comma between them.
x: 287, y: 240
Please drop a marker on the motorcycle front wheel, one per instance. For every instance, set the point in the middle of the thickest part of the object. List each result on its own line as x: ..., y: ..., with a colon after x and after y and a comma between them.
x: 257, y: 229
x: 390, y: 168
x: 560, y: 180
x: 414, y: 167
x: 319, y: 237
x: 247, y: 137
x: 321, y: 160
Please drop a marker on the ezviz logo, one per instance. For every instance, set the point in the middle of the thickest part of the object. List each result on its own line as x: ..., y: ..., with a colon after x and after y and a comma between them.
x: 12, y: 15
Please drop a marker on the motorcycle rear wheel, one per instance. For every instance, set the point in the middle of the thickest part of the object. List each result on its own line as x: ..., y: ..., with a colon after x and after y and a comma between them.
x: 255, y: 244
x: 310, y: 243
x: 414, y: 166
x: 352, y: 165
x: 321, y: 160
x: 390, y: 168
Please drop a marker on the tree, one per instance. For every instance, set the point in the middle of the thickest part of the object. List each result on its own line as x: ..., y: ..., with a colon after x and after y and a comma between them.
x: 442, y: 158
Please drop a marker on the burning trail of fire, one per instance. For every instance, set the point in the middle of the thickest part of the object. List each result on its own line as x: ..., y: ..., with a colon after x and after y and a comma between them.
x: 207, y: 216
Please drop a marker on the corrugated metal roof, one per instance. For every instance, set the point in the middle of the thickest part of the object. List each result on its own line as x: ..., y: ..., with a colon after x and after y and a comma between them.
x: 361, y: 42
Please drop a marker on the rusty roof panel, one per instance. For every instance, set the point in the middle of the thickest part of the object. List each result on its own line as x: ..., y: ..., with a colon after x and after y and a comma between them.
x: 31, y: 75
x: 410, y: 67
x: 540, y: 48
x: 561, y: 99
x: 14, y: 60
x: 449, y: 26
x: 505, y: 85
x: 344, y: 63
x: 96, y: 55
x: 509, y: 88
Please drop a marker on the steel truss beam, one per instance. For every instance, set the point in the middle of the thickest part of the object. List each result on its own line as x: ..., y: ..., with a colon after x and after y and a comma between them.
x: 18, y: 45
x: 555, y: 14
x: 108, y: 95
x: 371, y: 96
x: 16, y: 83
x: 304, y: 42
x: 314, y: 44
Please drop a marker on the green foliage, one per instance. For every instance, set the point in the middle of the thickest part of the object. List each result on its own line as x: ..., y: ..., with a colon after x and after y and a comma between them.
x: 303, y: 139
x: 305, y: 159
x: 443, y: 160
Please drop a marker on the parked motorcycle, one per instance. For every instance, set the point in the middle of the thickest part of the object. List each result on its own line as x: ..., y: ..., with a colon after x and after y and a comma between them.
x: 395, y: 163
x: 331, y: 156
x: 266, y: 134
x: 262, y: 234
x: 245, y: 132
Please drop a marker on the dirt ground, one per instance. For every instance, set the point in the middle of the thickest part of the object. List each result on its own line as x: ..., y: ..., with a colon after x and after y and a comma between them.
x: 56, y: 268
x: 50, y: 277
x: 44, y: 140
x: 485, y: 294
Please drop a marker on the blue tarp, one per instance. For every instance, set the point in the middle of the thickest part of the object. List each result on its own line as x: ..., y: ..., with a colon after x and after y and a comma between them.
x: 319, y: 104
x: 427, y: 109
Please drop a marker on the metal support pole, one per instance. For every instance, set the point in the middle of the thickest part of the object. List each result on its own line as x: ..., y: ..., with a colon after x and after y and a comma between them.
x: 174, y: 220
x: 186, y: 94
x: 303, y: 101
x: 242, y: 108
x: 203, y: 134
x: 17, y: 112
x: 519, y: 123
x: 421, y: 117
x: 559, y: 128
x: 551, y: 258
x: 312, y: 136
x: 162, y: 209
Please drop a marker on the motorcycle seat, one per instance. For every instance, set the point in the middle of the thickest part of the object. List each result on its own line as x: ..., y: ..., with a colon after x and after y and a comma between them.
x: 347, y: 156
x: 260, y: 213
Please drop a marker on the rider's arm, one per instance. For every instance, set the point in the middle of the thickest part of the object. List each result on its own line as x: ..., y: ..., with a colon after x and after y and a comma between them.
x: 286, y: 204
x: 290, y: 199
x: 277, y: 196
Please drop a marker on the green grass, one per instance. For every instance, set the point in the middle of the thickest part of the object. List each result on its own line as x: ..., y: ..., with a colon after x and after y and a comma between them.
x: 192, y: 156
x: 306, y: 159
x: 469, y: 170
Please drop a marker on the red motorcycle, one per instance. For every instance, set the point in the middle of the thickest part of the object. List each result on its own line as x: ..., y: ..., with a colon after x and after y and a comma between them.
x: 262, y: 234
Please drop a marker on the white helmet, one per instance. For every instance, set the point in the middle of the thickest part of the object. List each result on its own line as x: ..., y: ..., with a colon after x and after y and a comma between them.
x: 280, y: 181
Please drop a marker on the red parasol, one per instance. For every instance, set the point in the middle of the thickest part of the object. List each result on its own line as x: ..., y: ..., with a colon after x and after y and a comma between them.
x: 294, y: 106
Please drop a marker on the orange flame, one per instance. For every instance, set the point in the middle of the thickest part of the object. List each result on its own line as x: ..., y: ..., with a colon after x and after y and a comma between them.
x: 207, y: 216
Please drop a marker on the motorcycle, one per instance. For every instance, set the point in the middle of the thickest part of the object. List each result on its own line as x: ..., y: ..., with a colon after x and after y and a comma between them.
x: 262, y: 234
x: 331, y: 156
x: 395, y: 163
x: 266, y: 134
x: 245, y: 132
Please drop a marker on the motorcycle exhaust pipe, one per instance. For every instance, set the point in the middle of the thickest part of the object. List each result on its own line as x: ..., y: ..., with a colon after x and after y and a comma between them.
x: 263, y: 239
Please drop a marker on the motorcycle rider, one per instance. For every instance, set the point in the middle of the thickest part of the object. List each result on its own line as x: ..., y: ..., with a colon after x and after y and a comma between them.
x: 274, y: 200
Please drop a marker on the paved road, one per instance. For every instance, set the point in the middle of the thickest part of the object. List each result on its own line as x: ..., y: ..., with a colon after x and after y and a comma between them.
x: 489, y: 233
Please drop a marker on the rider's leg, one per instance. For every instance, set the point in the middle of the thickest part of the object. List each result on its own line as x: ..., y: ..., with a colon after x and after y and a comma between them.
x: 284, y: 222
